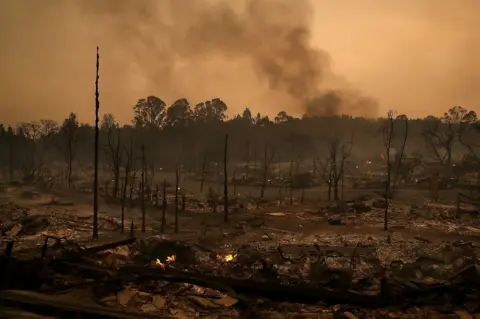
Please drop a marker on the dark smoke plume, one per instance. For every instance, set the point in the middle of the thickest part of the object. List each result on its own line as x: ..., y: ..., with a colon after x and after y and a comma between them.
x: 173, y: 42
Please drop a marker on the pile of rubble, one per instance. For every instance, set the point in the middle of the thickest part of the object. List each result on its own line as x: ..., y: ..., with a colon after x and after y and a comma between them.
x: 28, y: 226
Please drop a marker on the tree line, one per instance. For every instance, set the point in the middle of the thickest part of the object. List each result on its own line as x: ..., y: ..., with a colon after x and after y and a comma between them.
x: 180, y: 133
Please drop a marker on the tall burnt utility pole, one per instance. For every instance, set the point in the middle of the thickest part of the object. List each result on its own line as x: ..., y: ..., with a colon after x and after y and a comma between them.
x: 95, y: 176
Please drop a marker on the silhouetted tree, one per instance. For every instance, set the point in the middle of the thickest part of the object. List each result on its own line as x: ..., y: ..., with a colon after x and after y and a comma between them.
x: 247, y: 116
x: 179, y: 113
x: 68, y: 145
x: 283, y: 117
x: 149, y: 112
x: 210, y: 111
x: 393, y: 161
x: 113, y: 149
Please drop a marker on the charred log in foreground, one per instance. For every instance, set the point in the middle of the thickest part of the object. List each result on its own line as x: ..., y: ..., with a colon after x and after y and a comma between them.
x: 30, y: 273
x: 273, y: 290
x: 54, y: 306
x: 394, y: 291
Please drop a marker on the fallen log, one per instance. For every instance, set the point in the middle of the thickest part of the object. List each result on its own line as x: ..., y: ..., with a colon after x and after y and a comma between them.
x: 10, y: 312
x: 111, y: 245
x: 392, y: 291
x: 53, y: 305
x: 276, y: 291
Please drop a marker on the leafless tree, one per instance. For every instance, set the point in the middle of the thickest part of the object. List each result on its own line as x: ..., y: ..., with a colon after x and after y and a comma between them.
x: 113, y: 149
x: 164, y: 205
x: 247, y: 159
x: 157, y: 196
x: 69, y: 140
x: 469, y: 132
x: 440, y: 138
x: 225, y: 181
x: 142, y: 189
x: 332, y: 168
x: 393, y: 167
x: 177, y: 181
x: 440, y: 134
x: 468, y: 137
x: 32, y: 133
x: 204, y: 164
x: 325, y: 173
x: 296, y: 158
x: 128, y: 167
x: 234, y: 182
x: 268, y: 155
x: 151, y: 180
x: 339, y: 153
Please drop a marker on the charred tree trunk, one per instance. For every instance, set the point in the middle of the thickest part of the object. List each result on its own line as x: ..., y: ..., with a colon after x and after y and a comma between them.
x: 142, y: 189
x: 225, y: 181
x: 290, y: 177
x: 247, y: 165
x: 202, y: 181
x: 164, y: 205
x: 116, y: 182
x: 330, y: 184
x: 219, y: 182
x: 234, y: 183
x: 125, y: 185
x: 290, y: 173
x: 184, y: 202
x: 266, y: 164
x: 97, y: 131
x: 388, y: 136
x: 176, y: 199
x: 132, y: 184
x: 255, y: 161
x: 124, y: 198
x: 70, y: 163
x: 156, y: 198
x: 10, y: 158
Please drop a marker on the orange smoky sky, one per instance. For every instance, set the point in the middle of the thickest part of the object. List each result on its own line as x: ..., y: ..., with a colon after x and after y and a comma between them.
x: 418, y: 57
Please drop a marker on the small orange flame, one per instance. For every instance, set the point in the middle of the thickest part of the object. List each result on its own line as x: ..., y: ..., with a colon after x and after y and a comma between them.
x: 159, y: 263
x: 169, y: 260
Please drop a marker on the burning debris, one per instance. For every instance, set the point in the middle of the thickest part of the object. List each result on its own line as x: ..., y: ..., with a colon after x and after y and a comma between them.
x: 169, y: 260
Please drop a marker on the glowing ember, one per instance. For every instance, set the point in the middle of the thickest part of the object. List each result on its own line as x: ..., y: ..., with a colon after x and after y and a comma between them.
x: 227, y: 258
x: 171, y: 259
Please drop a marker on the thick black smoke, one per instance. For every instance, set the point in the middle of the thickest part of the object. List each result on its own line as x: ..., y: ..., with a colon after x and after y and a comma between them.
x: 274, y: 35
